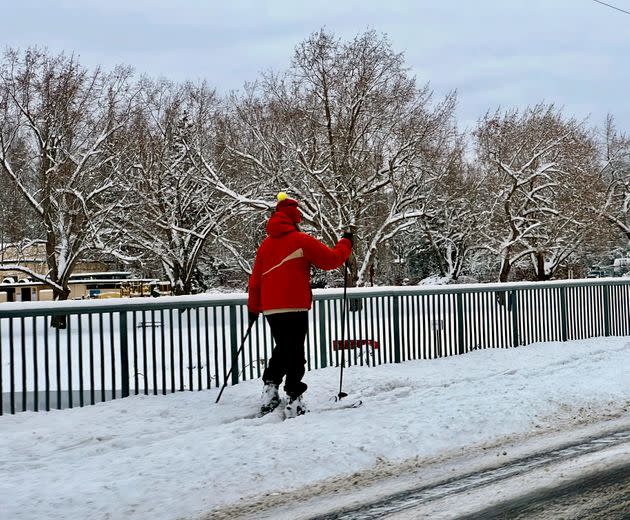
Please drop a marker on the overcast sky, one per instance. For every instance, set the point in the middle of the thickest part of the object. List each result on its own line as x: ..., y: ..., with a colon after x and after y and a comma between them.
x: 493, y: 52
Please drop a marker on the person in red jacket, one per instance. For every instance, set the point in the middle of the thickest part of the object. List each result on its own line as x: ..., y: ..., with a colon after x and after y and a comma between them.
x: 280, y: 288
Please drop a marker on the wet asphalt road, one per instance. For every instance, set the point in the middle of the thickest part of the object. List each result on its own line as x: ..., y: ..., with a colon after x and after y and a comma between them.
x: 598, y: 496
x: 601, y: 494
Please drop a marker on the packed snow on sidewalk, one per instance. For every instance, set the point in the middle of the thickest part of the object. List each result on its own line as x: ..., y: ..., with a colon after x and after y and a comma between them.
x: 180, y: 456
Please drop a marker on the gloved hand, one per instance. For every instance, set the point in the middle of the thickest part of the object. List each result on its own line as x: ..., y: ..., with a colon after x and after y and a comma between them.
x: 253, y: 316
x: 348, y: 234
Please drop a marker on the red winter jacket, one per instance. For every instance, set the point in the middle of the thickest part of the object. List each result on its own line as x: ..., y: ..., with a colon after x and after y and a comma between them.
x: 281, y: 275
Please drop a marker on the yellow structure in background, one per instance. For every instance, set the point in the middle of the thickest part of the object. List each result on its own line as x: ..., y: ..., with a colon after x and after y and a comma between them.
x: 111, y: 284
x: 92, y: 280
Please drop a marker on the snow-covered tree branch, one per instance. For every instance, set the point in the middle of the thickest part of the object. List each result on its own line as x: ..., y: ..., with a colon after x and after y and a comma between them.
x: 58, y: 124
x: 174, y: 201
x: 539, y: 170
x: 345, y: 130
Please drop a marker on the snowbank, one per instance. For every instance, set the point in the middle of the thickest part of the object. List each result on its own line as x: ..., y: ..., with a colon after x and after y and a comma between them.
x: 181, y: 455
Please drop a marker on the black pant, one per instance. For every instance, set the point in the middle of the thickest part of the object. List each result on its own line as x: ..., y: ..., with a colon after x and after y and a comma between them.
x: 289, y: 332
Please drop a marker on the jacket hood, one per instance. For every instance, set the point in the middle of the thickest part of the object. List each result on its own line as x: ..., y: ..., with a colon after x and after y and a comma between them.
x: 280, y: 224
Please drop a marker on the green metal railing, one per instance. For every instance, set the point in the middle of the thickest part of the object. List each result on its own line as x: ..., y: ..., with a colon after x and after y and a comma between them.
x: 116, y: 348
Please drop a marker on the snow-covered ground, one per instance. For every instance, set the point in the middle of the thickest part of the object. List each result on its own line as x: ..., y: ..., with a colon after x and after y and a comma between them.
x: 180, y: 456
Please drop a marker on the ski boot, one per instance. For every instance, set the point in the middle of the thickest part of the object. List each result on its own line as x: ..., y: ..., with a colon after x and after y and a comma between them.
x: 294, y: 407
x: 270, y: 398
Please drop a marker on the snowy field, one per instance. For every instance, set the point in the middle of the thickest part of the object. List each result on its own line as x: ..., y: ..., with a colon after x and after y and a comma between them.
x: 182, y: 456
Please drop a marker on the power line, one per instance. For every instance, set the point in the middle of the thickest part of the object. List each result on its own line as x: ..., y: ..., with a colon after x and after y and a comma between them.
x: 611, y: 6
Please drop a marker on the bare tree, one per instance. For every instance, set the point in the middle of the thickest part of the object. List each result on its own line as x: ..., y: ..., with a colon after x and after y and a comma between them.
x: 348, y: 132
x: 539, y: 172
x: 18, y: 224
x: 57, y: 126
x: 171, y: 209
x: 451, y: 226
x: 615, y: 174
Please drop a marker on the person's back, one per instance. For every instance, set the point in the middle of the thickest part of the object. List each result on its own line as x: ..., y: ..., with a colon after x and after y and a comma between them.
x: 279, y: 287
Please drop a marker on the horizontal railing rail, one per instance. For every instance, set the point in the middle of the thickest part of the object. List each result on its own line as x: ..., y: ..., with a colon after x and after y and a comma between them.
x: 203, y: 300
x: 115, y: 348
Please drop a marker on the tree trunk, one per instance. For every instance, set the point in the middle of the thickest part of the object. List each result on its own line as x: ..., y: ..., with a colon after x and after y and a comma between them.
x: 60, y: 321
x: 541, y: 275
x: 504, y: 274
x: 355, y: 304
x: 179, y: 286
x: 506, y: 266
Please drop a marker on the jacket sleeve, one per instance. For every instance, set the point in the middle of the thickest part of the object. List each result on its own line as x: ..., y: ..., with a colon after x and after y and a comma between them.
x: 322, y: 256
x: 253, y: 289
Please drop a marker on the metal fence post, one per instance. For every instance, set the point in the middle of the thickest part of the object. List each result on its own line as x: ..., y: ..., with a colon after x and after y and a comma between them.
x: 124, y: 354
x: 323, y: 348
x: 606, y: 291
x: 514, y: 309
x: 233, y: 343
x: 563, y: 314
x: 397, y: 347
x: 460, y: 324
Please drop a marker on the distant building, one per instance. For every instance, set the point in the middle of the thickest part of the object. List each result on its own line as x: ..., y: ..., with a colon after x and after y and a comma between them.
x: 110, y: 284
x: 91, y: 279
x: 33, y: 257
x: 619, y: 267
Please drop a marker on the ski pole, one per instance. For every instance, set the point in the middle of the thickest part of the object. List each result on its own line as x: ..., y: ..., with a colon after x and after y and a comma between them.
x: 235, y: 360
x: 342, y: 394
